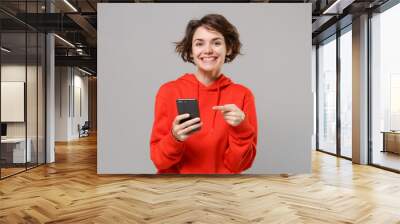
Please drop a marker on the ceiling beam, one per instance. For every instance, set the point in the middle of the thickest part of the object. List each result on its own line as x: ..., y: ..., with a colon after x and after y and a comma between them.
x: 85, y: 61
x: 86, y: 26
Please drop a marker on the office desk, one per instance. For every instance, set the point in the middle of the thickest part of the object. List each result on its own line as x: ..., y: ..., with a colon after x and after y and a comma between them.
x: 13, y: 150
x: 391, y: 141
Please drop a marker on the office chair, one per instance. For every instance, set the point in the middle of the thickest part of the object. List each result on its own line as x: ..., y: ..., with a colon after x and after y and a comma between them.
x: 84, y: 130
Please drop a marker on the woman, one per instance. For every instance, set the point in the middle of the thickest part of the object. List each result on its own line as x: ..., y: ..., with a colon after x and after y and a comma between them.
x: 226, y: 141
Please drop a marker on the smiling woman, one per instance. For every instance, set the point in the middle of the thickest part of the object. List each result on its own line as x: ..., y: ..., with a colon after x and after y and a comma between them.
x: 223, y: 138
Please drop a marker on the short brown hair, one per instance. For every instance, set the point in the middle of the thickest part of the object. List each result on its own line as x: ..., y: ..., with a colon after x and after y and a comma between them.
x: 214, y: 22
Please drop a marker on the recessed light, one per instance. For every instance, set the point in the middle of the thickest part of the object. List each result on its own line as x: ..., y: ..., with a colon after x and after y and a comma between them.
x: 5, y: 50
x: 70, y: 5
x: 64, y: 40
x: 84, y: 71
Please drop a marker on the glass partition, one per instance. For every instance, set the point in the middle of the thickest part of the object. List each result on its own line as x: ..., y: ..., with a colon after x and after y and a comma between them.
x: 22, y: 77
x: 346, y: 93
x: 327, y: 95
x: 13, y: 110
x: 32, y: 95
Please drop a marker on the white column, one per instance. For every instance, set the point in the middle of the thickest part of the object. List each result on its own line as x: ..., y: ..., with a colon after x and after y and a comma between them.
x: 50, y: 100
x: 360, y: 90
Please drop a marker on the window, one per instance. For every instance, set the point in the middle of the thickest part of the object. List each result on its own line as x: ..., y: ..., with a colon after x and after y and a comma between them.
x: 327, y: 96
x: 385, y: 88
x: 346, y: 93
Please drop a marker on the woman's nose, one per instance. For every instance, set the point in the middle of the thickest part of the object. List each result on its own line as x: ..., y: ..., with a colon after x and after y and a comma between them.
x: 209, y: 48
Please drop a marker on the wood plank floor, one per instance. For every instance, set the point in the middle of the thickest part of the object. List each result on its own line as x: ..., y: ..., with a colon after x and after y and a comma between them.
x: 10, y: 171
x: 70, y: 191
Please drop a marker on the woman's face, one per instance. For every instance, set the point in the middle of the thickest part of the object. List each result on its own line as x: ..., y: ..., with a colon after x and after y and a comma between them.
x: 208, y: 50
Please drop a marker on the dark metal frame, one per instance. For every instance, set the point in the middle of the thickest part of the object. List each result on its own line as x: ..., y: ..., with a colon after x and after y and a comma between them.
x: 338, y: 98
x: 37, y: 92
x: 45, y: 89
x: 0, y: 93
x: 317, y: 97
x: 26, y: 88
x: 369, y: 91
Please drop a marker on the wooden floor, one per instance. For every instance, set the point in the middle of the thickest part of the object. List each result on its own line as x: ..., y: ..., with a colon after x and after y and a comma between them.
x: 5, y: 172
x: 70, y: 191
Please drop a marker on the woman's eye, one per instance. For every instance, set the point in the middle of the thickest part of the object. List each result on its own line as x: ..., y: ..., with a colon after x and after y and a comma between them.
x: 217, y: 43
x: 198, y: 44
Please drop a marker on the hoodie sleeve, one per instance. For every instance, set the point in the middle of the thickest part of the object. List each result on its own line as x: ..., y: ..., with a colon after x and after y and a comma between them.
x: 165, y: 150
x: 243, y: 139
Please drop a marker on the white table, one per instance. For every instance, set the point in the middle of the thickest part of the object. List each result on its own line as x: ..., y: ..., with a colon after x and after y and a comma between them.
x: 18, y: 149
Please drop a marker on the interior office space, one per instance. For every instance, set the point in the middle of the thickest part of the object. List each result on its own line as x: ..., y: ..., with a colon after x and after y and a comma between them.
x: 49, y: 100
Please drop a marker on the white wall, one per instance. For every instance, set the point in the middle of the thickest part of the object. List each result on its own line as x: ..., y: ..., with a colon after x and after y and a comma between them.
x: 79, y: 117
x: 12, y: 101
x: 67, y: 116
x: 62, y: 81
x: 15, y: 73
x: 12, y: 73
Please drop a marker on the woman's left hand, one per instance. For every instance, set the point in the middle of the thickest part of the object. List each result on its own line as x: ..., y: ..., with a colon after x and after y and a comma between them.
x: 232, y: 114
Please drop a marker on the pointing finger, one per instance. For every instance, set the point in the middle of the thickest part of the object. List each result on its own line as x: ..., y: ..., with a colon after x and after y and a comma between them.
x: 221, y: 108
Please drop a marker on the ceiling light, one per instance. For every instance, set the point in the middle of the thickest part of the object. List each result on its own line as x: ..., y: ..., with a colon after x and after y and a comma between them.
x: 79, y: 51
x: 84, y: 71
x: 70, y: 5
x: 5, y: 50
x: 64, y: 40
x: 326, y: 11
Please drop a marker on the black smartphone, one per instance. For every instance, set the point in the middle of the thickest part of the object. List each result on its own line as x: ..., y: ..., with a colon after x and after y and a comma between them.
x: 188, y: 106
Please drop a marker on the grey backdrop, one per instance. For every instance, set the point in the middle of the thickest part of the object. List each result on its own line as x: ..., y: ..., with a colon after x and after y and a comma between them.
x: 136, y: 55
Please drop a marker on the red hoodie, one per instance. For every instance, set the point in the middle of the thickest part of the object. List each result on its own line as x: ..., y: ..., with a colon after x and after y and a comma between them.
x: 218, y: 147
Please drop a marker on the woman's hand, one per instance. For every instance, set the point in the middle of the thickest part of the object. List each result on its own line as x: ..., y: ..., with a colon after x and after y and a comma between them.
x: 182, y: 131
x: 232, y: 114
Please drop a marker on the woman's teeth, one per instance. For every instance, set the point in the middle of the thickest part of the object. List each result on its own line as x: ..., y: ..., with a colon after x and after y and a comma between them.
x: 209, y: 59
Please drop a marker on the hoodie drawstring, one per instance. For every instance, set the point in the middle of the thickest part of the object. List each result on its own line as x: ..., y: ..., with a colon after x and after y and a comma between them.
x: 198, y: 93
x: 215, y: 112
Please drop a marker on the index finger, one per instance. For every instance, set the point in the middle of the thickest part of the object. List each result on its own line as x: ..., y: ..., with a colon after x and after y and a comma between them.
x: 221, y: 108
x: 226, y: 107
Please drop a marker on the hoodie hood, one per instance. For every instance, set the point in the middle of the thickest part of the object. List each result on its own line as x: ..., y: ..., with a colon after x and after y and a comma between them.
x: 218, y: 85
x: 221, y: 82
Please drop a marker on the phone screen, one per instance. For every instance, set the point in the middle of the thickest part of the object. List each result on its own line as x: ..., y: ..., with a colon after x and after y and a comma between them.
x: 188, y: 106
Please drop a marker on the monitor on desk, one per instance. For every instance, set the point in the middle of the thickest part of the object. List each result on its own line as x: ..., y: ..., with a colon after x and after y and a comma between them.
x: 3, y: 130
